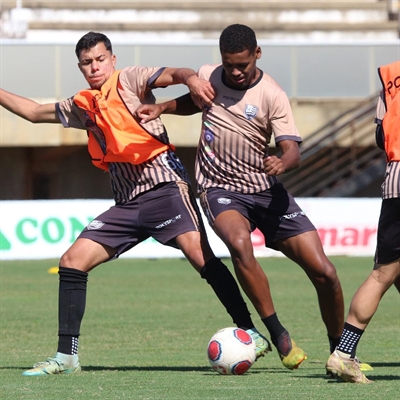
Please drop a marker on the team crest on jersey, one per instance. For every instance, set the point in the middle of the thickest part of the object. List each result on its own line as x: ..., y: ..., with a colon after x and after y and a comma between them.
x: 250, y: 111
x: 95, y: 224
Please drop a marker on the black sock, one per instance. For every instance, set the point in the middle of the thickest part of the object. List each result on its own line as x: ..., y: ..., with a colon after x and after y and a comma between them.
x: 279, y: 335
x: 274, y: 326
x: 349, y: 340
x: 225, y: 287
x: 68, y: 344
x: 71, y: 307
x: 333, y: 343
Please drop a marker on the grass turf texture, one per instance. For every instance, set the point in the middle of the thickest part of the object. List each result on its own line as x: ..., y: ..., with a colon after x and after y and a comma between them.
x: 147, y: 325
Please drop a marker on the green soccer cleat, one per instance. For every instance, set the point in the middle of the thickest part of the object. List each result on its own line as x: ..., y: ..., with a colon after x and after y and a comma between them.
x: 263, y: 346
x: 295, y: 357
x: 347, y: 368
x: 64, y: 364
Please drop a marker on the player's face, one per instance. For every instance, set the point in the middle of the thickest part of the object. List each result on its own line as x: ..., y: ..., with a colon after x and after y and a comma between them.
x: 240, y: 68
x: 97, y: 65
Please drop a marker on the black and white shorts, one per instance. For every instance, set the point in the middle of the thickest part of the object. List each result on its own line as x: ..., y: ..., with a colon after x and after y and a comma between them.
x: 165, y: 212
x: 274, y: 212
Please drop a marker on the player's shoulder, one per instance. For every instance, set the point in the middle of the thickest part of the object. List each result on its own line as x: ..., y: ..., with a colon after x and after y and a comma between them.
x: 271, y: 82
x: 207, y: 69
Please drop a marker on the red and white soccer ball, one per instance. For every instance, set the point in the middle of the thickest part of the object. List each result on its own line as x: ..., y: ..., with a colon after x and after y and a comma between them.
x: 231, y: 351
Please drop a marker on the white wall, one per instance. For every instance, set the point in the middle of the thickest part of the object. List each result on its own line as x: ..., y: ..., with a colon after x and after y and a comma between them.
x: 45, y: 229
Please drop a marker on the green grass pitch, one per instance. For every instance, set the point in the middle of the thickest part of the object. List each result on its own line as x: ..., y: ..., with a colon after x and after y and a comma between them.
x: 147, y: 325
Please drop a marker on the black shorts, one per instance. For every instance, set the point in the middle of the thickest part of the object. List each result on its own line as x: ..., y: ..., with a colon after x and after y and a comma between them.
x: 388, y: 240
x: 168, y: 210
x: 274, y: 212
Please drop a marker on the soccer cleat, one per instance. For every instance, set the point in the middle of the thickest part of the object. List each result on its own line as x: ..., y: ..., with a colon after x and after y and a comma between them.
x: 263, y: 346
x: 294, y: 358
x: 347, y: 368
x: 61, y: 364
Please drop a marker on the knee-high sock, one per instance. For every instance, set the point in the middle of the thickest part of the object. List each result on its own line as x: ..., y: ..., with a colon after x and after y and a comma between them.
x: 227, y: 290
x: 71, y: 307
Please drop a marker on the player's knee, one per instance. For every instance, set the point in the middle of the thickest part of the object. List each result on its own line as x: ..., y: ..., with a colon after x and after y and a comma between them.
x: 326, y: 276
x: 240, y: 246
x: 68, y: 261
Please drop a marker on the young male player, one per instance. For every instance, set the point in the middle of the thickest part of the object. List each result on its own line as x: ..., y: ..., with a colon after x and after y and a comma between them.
x: 145, y: 175
x: 240, y: 191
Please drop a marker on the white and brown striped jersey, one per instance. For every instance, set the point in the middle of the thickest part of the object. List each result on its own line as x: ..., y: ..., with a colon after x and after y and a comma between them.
x: 236, y: 133
x: 127, y: 179
x: 391, y: 185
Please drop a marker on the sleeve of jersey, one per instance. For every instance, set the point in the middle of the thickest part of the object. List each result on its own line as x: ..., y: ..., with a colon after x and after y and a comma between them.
x: 67, y: 111
x: 138, y: 79
x: 205, y: 71
x: 282, y: 120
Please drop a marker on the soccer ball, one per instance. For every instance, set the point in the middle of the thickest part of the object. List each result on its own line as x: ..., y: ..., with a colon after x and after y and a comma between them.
x: 231, y: 351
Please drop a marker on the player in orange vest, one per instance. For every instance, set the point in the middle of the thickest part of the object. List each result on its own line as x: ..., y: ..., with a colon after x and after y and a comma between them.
x: 150, y: 186
x: 386, y: 270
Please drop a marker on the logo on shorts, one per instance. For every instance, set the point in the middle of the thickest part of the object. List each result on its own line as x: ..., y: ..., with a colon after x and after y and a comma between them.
x: 169, y: 221
x: 292, y: 215
x: 250, y: 111
x: 95, y: 224
x: 224, y: 200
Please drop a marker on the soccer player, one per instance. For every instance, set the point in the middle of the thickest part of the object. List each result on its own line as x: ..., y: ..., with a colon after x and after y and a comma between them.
x: 386, y: 271
x: 149, y: 183
x: 240, y: 191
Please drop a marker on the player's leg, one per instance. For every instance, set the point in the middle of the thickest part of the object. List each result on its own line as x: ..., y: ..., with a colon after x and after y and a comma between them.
x: 366, y: 300
x: 75, y: 264
x: 306, y: 250
x: 234, y: 230
x: 195, y: 247
x: 187, y: 233
x: 109, y: 235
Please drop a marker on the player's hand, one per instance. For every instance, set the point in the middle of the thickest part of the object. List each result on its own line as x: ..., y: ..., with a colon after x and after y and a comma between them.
x: 273, y: 166
x: 201, y: 91
x: 148, y: 112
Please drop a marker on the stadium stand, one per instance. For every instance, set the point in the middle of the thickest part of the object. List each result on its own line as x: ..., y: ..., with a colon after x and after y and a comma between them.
x: 202, y: 19
x: 338, y: 131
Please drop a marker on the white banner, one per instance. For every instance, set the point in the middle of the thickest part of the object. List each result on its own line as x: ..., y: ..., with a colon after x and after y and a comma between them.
x: 41, y: 229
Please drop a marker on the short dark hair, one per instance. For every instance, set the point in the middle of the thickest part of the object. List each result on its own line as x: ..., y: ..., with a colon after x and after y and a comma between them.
x: 90, y: 40
x: 237, y: 38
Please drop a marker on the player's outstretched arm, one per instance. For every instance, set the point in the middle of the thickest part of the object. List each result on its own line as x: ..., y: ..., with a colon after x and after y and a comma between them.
x: 28, y: 109
x: 183, y: 105
x: 201, y: 90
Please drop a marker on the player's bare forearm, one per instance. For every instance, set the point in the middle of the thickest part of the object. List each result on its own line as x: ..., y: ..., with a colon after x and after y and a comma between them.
x: 28, y: 109
x: 183, y: 105
x: 289, y: 160
x: 200, y: 89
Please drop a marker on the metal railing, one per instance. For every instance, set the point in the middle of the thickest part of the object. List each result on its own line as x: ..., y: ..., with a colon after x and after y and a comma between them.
x: 339, y: 158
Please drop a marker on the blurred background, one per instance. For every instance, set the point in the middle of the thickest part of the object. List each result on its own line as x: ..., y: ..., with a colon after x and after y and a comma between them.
x: 324, y: 54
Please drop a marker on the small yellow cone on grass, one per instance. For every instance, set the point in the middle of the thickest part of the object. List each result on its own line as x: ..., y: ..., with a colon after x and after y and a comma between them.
x: 53, y: 270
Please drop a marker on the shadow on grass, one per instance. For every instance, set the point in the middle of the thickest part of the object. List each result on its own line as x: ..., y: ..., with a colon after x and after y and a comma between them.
x: 384, y: 364
x: 371, y: 376
x: 205, y: 369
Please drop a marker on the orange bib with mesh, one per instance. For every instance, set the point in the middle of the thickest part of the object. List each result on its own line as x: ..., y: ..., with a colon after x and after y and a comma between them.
x: 390, y: 78
x: 119, y: 137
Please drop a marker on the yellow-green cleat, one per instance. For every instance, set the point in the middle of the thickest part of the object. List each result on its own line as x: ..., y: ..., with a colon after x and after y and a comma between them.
x: 263, y: 346
x: 294, y: 358
x: 61, y: 364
